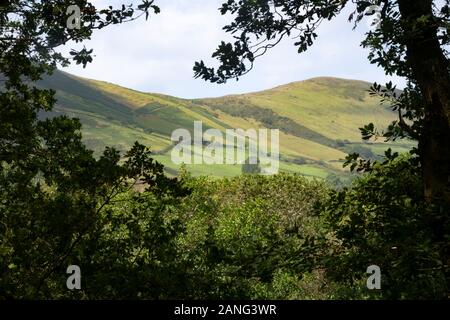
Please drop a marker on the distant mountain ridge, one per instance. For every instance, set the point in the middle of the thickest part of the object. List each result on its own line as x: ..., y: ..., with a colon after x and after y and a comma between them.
x: 318, y: 119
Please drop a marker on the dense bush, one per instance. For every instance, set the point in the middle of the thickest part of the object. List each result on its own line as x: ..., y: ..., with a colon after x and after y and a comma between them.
x: 384, y: 220
x: 249, y: 237
x: 244, y: 236
x: 55, y: 214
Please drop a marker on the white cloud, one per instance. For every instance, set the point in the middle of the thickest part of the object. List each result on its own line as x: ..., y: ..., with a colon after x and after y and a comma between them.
x: 158, y: 55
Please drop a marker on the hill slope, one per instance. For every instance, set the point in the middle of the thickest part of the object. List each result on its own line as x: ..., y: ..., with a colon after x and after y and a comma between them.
x: 318, y: 119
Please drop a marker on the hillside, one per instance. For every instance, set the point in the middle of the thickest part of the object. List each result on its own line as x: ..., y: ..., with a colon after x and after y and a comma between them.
x: 318, y: 120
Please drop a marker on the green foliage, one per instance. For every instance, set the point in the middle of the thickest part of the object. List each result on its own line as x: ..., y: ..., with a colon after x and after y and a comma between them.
x: 132, y: 254
x: 55, y: 197
x: 410, y: 40
x: 244, y: 236
x: 47, y: 218
x: 384, y: 220
x: 396, y: 215
x: 137, y: 234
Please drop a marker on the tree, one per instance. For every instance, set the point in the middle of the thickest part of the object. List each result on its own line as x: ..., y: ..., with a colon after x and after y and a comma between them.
x: 410, y: 41
x: 381, y: 221
x: 54, y: 195
x: 30, y: 33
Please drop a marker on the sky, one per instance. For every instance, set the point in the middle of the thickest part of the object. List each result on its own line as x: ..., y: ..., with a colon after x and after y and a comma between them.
x: 158, y: 55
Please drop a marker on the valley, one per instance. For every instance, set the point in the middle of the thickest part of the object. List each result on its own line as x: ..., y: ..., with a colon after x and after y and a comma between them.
x: 318, y: 120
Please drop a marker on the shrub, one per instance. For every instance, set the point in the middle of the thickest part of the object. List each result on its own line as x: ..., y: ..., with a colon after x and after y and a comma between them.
x: 384, y: 220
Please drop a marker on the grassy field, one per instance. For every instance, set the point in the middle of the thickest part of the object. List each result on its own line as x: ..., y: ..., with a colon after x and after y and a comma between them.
x: 318, y: 120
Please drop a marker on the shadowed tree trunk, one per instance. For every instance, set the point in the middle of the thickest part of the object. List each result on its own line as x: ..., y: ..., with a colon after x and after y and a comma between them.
x: 431, y: 70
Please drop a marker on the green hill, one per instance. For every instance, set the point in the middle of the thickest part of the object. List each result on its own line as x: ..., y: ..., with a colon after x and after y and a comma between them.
x: 318, y: 120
